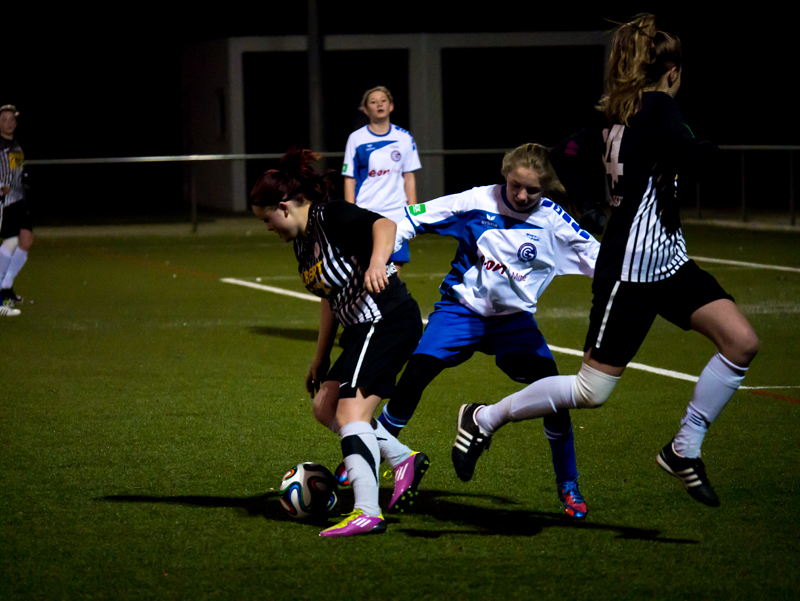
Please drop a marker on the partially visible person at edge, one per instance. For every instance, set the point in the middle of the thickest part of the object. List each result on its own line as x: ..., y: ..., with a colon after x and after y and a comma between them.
x: 16, y: 223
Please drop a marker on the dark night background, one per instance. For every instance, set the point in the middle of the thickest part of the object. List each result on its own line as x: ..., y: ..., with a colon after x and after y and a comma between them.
x: 105, y: 82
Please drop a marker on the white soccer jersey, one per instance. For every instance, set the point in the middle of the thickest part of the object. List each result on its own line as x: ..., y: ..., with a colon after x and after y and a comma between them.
x: 378, y: 163
x: 505, y: 259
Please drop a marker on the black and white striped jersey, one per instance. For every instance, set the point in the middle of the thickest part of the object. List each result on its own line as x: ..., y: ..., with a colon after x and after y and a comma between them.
x: 11, y: 164
x: 333, y: 258
x: 637, y: 177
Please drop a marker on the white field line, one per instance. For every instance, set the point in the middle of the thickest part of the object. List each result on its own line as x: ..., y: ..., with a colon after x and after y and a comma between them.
x: 558, y: 349
x: 245, y: 283
x: 750, y: 265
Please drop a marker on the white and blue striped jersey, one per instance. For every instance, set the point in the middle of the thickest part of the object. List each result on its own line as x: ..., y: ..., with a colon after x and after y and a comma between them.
x: 505, y: 259
x: 377, y: 163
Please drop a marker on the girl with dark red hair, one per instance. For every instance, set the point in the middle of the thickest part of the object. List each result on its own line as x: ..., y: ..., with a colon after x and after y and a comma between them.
x: 343, y: 255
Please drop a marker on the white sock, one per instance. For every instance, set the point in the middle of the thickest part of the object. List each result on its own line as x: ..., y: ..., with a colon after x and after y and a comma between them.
x: 361, y: 452
x: 716, y: 385
x: 5, y: 261
x: 17, y: 261
x: 394, y: 451
x: 543, y: 397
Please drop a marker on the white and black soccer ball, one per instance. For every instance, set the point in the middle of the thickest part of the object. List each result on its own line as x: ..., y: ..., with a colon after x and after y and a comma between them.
x: 308, y: 490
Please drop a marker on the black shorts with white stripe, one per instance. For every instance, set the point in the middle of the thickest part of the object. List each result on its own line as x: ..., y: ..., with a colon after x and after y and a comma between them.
x: 373, y: 353
x: 623, y: 312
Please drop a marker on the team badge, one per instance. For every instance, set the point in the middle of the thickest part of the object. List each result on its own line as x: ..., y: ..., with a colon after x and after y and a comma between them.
x: 527, y: 252
x: 396, y: 156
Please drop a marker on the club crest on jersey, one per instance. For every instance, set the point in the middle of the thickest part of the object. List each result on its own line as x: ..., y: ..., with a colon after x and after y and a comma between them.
x: 527, y: 252
x: 396, y: 156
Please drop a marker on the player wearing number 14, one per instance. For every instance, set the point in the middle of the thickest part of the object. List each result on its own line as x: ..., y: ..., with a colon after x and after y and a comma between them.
x: 631, y: 156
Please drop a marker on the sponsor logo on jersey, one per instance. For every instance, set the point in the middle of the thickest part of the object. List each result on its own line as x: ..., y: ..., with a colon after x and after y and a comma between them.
x: 379, y: 172
x: 417, y: 209
x: 491, y: 265
x: 532, y: 237
x: 312, y: 273
x: 489, y: 223
x: 490, y: 217
x: 396, y: 156
x: 344, y: 168
x: 15, y: 160
x: 527, y: 252
x: 312, y: 279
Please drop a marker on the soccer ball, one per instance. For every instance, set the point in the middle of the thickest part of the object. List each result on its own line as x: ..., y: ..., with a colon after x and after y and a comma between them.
x: 308, y: 490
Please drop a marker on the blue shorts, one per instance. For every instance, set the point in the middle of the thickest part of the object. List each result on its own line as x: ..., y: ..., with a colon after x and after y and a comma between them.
x: 455, y: 332
x: 401, y: 256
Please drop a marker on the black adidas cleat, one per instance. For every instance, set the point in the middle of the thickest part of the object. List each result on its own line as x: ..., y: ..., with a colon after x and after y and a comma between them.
x: 470, y: 442
x: 8, y: 294
x: 692, y: 472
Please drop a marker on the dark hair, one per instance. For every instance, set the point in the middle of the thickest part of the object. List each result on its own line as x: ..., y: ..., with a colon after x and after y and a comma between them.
x: 640, y: 55
x: 296, y: 177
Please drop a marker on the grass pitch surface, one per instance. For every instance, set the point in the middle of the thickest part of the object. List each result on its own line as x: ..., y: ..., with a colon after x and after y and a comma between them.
x: 149, y: 412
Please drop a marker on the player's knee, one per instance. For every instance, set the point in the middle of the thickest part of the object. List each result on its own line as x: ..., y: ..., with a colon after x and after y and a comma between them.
x: 742, y: 347
x: 592, y: 387
x: 750, y: 345
x: 324, y: 407
x: 25, y: 239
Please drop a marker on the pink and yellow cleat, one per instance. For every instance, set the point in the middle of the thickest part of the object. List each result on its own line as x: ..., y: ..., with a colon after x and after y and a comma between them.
x: 407, y: 477
x: 356, y: 522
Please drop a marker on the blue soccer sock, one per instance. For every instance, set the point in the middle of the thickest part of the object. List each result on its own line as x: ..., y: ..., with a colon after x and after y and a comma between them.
x: 392, y: 423
x: 562, y: 446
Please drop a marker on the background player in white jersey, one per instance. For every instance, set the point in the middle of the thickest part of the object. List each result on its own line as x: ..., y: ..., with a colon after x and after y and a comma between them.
x: 343, y: 257
x: 379, y: 163
x: 635, y: 151
x: 513, y: 241
x: 16, y: 224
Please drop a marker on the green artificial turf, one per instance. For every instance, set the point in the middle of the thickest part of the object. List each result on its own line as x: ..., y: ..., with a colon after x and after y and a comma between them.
x: 149, y: 412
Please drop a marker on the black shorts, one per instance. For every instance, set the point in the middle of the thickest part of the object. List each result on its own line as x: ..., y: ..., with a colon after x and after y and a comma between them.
x: 622, y: 312
x: 13, y: 218
x: 373, y: 353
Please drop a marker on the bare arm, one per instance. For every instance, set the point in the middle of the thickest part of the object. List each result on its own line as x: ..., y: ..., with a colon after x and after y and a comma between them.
x: 350, y: 189
x: 383, y: 233
x: 410, y: 187
x: 327, y: 334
